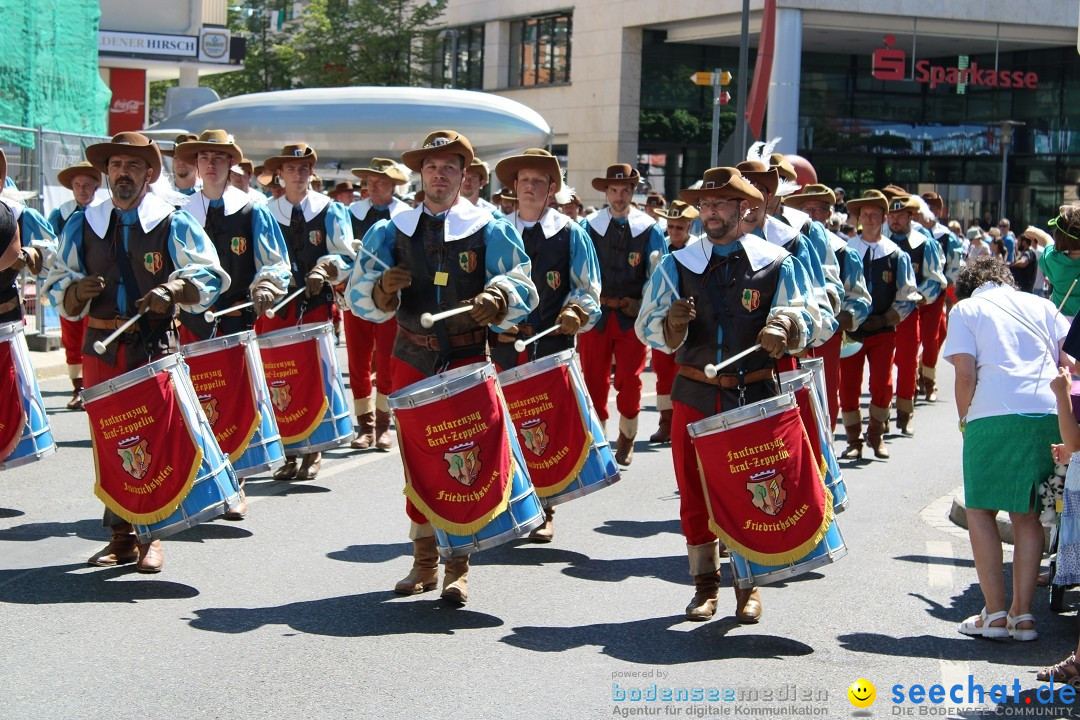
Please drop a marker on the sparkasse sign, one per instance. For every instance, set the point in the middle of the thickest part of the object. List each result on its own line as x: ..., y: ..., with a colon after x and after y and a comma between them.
x: 889, y: 63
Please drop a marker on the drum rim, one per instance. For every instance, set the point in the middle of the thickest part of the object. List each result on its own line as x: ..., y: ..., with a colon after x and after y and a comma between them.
x: 221, y: 342
x: 537, y: 367
x: 300, y: 333
x: 804, y: 377
x: 402, y: 400
x: 785, y: 400
x: 122, y: 382
x: 10, y: 330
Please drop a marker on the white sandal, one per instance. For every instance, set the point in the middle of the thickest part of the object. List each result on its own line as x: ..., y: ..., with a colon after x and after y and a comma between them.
x: 968, y: 627
x: 1020, y: 634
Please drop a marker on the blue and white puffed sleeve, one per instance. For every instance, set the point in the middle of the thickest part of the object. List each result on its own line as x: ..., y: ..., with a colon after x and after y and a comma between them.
x: 907, y: 292
x: 37, y: 233
x: 339, y: 239
x: 657, y: 246
x: 508, y: 267
x: 794, y: 299
x: 67, y: 266
x: 830, y: 266
x: 660, y: 292
x: 196, y: 260
x: 271, y: 252
x: 857, y: 300
x: 826, y: 323
x: 366, y: 271
x: 584, y: 276
x: 954, y: 258
x: 933, y: 282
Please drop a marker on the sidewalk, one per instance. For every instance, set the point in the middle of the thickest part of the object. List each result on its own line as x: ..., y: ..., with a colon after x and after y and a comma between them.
x: 48, y: 364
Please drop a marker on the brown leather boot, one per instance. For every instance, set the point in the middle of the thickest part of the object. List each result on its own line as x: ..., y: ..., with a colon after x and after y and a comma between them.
x: 747, y: 605
x: 365, y: 431
x: 663, y: 433
x: 309, y: 468
x: 853, y: 451
x: 624, y: 450
x: 238, y: 512
x: 546, y: 532
x: 703, y: 606
x: 424, y: 575
x: 903, y: 422
x: 929, y: 388
x: 384, y: 439
x: 286, y: 471
x: 120, y: 550
x: 150, y: 558
x: 75, y: 403
x: 875, y: 438
x: 455, y: 580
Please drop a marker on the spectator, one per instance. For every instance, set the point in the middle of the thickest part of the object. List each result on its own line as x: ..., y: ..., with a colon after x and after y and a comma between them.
x: 841, y: 206
x: 976, y: 247
x: 1009, y: 239
x: 1025, y: 266
x: 1040, y: 239
x: 997, y: 248
x: 1006, y: 348
x: 1061, y: 261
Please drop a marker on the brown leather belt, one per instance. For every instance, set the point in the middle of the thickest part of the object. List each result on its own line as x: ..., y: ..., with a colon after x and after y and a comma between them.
x: 614, y: 302
x: 9, y: 305
x: 727, y: 382
x: 109, y: 324
x: 431, y: 342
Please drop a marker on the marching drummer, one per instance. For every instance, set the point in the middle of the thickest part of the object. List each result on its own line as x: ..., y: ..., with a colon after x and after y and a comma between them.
x: 132, y: 253
x: 38, y: 246
x: 248, y: 242
x: 707, y: 302
x: 564, y: 269
x: 319, y: 238
x: 444, y: 253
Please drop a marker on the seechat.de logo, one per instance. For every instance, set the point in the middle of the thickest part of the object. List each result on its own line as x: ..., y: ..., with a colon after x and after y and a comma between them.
x: 888, y: 62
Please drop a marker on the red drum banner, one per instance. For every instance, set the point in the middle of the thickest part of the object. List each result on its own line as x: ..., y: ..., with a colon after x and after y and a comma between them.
x: 12, y: 415
x: 458, y: 465
x: 145, y: 453
x: 766, y: 500
x: 554, y: 440
x: 294, y: 376
x: 222, y: 381
x: 806, y: 411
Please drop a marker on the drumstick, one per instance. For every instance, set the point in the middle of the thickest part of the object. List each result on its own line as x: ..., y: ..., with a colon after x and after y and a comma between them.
x: 288, y: 299
x: 428, y: 320
x: 520, y: 345
x: 100, y: 345
x: 711, y: 370
x: 373, y: 256
x: 211, y: 316
x: 1066, y: 298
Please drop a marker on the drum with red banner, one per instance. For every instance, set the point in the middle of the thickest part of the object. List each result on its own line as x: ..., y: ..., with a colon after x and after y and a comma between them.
x: 227, y: 375
x: 463, y: 465
x: 158, y: 463
x: 764, y: 491
x: 808, y: 386
x: 563, y: 442
x: 25, y: 434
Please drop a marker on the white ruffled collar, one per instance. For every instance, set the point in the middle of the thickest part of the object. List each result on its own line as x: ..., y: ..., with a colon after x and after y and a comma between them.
x: 235, y: 200
x: 551, y: 222
x: 152, y: 210
x: 758, y: 252
x: 639, y: 221
x: 462, y: 220
x: 881, y: 248
x: 312, y: 205
x: 779, y: 232
x: 361, y: 208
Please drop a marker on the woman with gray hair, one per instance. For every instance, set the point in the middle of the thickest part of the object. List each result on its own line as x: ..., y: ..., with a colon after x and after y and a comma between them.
x: 1006, y: 347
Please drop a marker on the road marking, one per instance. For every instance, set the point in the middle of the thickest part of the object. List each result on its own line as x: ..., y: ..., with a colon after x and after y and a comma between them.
x: 339, y: 466
x: 939, y: 569
x: 954, y: 673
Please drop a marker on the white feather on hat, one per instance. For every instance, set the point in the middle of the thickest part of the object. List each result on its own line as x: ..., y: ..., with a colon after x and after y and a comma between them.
x: 20, y: 196
x: 924, y: 209
x: 760, y: 151
x: 786, y: 187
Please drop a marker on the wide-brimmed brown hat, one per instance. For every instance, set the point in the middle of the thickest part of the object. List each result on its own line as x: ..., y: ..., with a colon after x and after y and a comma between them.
x: 209, y: 140
x: 382, y: 167
x: 815, y: 192
x: 481, y: 167
x: 934, y: 201
x: 783, y: 166
x: 890, y: 191
x: 247, y: 165
x: 723, y: 182
x: 438, y: 142
x: 655, y: 199
x: 904, y: 202
x: 533, y: 159
x: 68, y: 174
x: 180, y: 139
x: 679, y: 210
x: 264, y: 178
x: 872, y: 198
x: 293, y: 151
x: 762, y: 176
x: 617, y: 173
x: 505, y: 194
x: 126, y: 143
x: 344, y: 186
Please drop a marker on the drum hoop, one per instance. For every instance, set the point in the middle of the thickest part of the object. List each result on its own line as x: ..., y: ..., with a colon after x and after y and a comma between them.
x: 741, y: 416
x: 215, y: 344
x: 441, y: 386
x: 797, y: 380
x: 537, y: 367
x: 812, y: 363
x: 291, y: 335
x: 10, y: 330
x: 132, y: 377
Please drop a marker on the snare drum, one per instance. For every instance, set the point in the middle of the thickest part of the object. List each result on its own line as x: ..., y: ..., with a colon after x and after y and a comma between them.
x: 215, y: 489
x: 312, y: 412
x: 524, y: 512
x: 35, y: 440
x: 834, y: 476
x: 750, y: 574
x: 544, y: 378
x: 227, y: 375
x: 803, y: 385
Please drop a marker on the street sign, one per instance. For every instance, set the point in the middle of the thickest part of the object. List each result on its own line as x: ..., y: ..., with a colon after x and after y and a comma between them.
x: 720, y: 77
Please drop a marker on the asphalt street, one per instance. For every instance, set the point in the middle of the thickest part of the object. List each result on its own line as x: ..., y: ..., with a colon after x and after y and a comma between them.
x: 289, y: 613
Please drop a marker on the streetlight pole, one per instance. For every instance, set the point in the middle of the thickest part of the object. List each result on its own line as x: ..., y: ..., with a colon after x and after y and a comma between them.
x: 1007, y: 127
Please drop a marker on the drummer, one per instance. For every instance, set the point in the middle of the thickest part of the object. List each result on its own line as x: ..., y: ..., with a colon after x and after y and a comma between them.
x: 131, y: 253
x: 708, y: 301
x: 431, y: 251
x: 319, y: 238
x: 679, y: 217
x: 248, y: 242
x: 564, y: 269
x: 38, y: 246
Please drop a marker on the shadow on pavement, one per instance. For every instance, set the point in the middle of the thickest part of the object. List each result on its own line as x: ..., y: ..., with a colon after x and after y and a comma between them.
x: 85, y: 444
x: 10, y: 513
x: 59, y: 584
x: 86, y: 529
x: 367, y: 614
x: 639, y: 529
x: 653, y: 641
x: 936, y: 560
x: 372, y: 553
x: 960, y: 648
x: 267, y: 486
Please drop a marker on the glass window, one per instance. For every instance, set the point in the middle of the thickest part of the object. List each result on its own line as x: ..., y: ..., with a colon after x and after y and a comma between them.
x: 466, y: 71
x: 540, y: 50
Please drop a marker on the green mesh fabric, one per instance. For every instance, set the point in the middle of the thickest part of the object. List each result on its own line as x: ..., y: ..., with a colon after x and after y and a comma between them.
x: 49, y: 68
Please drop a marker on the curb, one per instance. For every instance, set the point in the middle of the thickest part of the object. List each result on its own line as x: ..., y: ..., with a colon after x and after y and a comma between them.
x: 958, y: 516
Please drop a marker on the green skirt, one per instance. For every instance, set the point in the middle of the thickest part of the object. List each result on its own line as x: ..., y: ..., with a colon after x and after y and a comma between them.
x: 1006, y: 458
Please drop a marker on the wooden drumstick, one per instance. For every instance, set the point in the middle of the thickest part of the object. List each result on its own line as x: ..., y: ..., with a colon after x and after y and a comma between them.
x: 288, y: 299
x: 101, y: 345
x: 211, y: 316
x: 520, y: 345
x: 428, y: 320
x: 1066, y: 298
x: 711, y: 370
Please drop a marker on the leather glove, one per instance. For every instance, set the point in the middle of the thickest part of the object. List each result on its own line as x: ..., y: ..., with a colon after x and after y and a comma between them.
x: 571, y: 319
x: 845, y: 321
x: 393, y: 280
x: 262, y: 299
x: 161, y: 299
x: 681, y: 313
x: 892, y: 317
x: 631, y: 308
x: 88, y: 288
x: 510, y: 335
x: 872, y: 323
x: 489, y: 307
x: 779, y: 335
x: 30, y: 258
x: 323, y: 272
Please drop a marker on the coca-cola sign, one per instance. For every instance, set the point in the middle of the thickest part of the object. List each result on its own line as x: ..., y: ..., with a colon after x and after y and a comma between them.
x: 126, y: 107
x: 127, y: 111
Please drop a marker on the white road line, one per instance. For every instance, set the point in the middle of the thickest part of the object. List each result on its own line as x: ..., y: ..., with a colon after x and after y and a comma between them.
x: 938, y: 571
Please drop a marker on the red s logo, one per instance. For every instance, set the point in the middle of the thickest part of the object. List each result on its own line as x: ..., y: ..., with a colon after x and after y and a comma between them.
x: 888, y: 62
